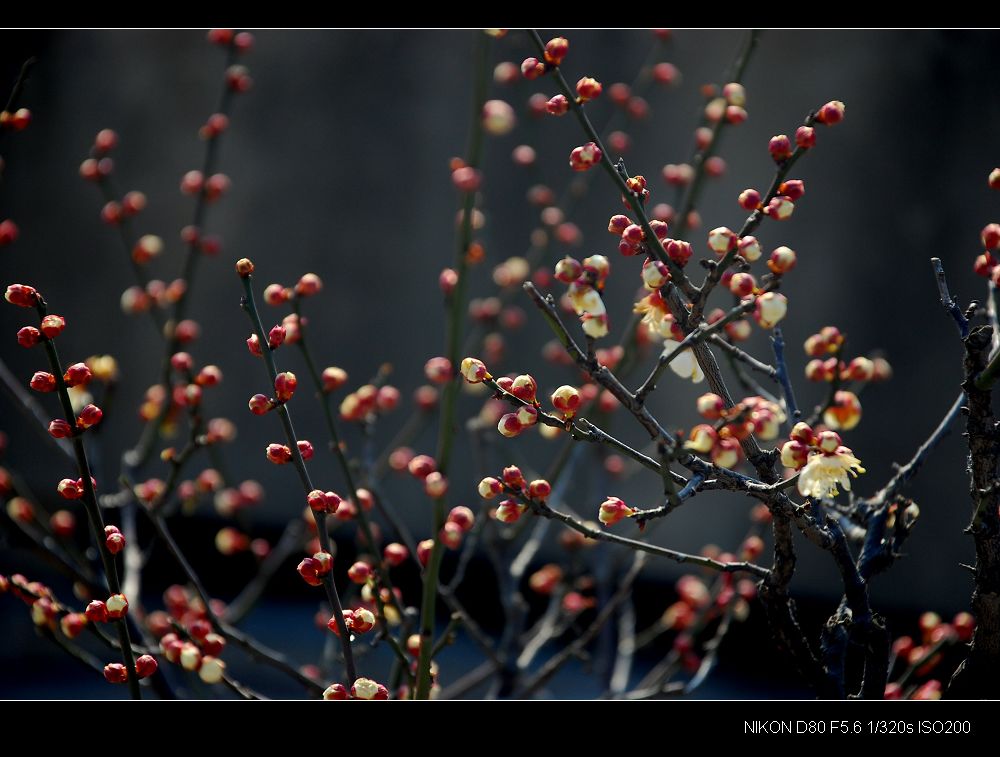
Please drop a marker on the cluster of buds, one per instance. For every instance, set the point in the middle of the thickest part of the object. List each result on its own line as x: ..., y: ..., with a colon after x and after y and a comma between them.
x: 280, y: 454
x: 586, y: 281
x: 986, y: 265
x: 359, y: 621
x: 635, y: 106
x: 308, y: 285
x: 312, y: 569
x: 365, y: 400
x: 199, y: 653
x: 17, y: 120
x: 114, y: 540
x: 697, y: 602
x: 69, y: 488
x: 198, y: 646
x: 277, y: 336
x: 424, y: 469
x: 824, y: 464
x: 752, y: 415
x: 459, y: 522
x: 284, y: 387
x: 632, y: 237
x: 924, y: 657
x: 97, y: 168
x: 525, y: 389
x: 227, y: 500
x: 657, y: 320
x: 210, y: 188
x: 135, y: 299
x: 780, y: 146
x: 114, y: 608
x: 511, y: 481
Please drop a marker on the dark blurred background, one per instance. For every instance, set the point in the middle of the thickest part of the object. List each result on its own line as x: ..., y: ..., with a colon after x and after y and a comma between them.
x: 339, y: 162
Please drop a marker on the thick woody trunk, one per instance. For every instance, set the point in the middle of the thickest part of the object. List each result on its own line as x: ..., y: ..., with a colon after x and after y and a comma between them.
x: 978, y: 676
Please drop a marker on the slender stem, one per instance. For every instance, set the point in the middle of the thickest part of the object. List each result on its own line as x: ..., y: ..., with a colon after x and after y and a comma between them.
x: 446, y: 430
x: 907, y: 472
x: 291, y: 540
x: 831, y: 393
x: 545, y: 511
x: 699, y: 334
x: 27, y: 404
x: 90, y: 503
x: 752, y: 222
x: 947, y: 301
x: 555, y: 663
x: 778, y: 345
x: 338, y: 451
x: 248, y: 644
x: 140, y: 453
x: 701, y: 157
x: 19, y: 82
x: 677, y: 274
x: 250, y: 306
x: 743, y: 356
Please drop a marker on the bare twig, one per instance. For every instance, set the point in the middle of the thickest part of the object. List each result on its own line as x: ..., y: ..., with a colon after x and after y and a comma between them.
x: 778, y: 345
x: 249, y: 305
x: 947, y: 301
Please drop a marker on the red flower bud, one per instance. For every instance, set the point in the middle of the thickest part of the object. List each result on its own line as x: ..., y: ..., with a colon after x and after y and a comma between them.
x: 28, y: 336
x: 421, y: 466
x: 831, y: 113
x: 278, y: 454
x: 284, y: 386
x: 805, y: 137
x: 145, y: 666
x: 77, y: 375
x: 539, y: 489
x: 780, y: 148
x: 990, y: 237
x: 43, y: 382
x: 97, y: 612
x: 115, y: 543
x: 276, y: 337
x: 89, y: 416
x: 556, y: 49
x: 557, y: 105
x: 749, y: 199
x: 532, y: 68
x: 21, y: 295
x: 115, y: 672
x: 117, y: 606
x: 60, y: 429
x: 424, y: 549
x: 584, y: 157
x: 395, y: 554
x: 588, y: 88
x: 53, y: 325
x: 333, y: 378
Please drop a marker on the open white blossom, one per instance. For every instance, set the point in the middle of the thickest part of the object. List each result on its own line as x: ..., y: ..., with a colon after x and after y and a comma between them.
x: 824, y: 474
x: 684, y: 364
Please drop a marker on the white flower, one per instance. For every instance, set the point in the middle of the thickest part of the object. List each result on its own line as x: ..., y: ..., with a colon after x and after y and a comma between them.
x: 684, y: 363
x: 823, y: 474
x: 589, y: 306
x: 586, y: 299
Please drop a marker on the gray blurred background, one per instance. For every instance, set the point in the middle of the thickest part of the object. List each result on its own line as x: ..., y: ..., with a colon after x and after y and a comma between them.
x: 339, y: 161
